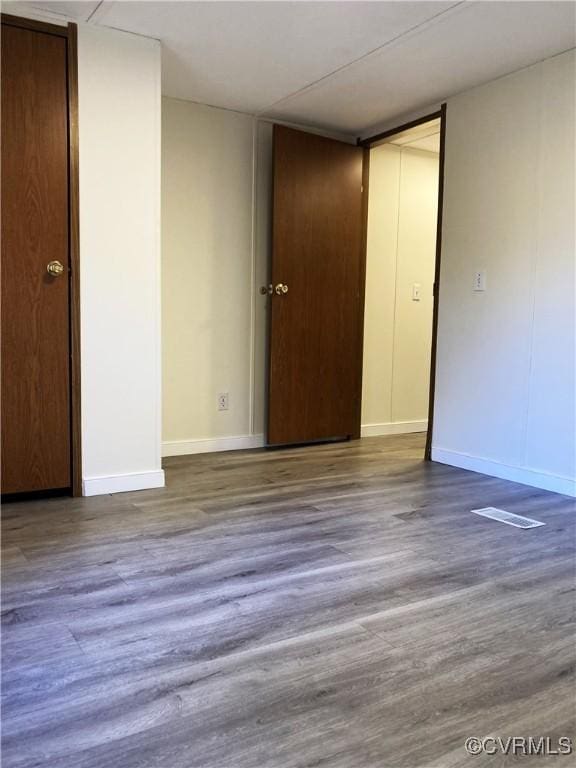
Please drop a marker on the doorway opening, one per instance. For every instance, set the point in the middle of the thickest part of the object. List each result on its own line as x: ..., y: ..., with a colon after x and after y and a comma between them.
x: 404, y: 215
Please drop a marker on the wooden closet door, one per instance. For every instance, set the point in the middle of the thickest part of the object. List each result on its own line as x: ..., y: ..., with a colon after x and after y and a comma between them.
x: 36, y: 452
x: 315, y: 355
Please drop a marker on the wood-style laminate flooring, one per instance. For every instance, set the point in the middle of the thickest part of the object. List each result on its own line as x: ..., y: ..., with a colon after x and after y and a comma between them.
x: 334, y: 606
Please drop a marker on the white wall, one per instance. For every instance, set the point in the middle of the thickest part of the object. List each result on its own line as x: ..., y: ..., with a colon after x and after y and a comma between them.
x: 403, y: 197
x: 119, y: 119
x: 505, y: 382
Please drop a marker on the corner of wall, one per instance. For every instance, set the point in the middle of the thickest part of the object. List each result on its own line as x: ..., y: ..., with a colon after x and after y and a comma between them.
x: 119, y: 145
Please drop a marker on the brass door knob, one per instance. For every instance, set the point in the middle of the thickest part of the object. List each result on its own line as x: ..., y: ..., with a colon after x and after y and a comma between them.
x: 55, y: 268
x: 281, y: 289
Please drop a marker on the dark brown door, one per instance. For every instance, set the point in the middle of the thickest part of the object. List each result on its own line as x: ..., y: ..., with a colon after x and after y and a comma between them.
x: 35, y: 305
x: 315, y: 360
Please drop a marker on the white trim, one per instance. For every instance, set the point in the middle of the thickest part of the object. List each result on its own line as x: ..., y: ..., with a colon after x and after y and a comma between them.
x: 137, y: 481
x: 523, y: 475
x: 247, y: 442
x: 393, y: 428
x: 211, y: 445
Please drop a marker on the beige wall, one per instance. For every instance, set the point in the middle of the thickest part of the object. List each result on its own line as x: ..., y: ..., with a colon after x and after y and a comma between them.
x: 216, y: 229
x: 505, y: 384
x: 401, y: 246
x: 207, y: 266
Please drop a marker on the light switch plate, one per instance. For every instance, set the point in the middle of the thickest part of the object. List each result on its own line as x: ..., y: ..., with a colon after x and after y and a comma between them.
x: 416, y: 291
x: 480, y: 280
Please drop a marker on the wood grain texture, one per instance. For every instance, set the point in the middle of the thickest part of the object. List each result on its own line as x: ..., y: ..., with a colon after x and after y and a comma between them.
x: 35, y: 306
x: 335, y: 605
x: 316, y: 328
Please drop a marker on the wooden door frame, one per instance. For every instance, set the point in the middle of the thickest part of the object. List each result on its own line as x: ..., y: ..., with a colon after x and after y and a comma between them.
x: 70, y: 33
x: 374, y: 141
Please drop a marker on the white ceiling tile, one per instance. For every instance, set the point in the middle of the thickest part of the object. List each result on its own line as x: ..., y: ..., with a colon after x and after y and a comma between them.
x: 78, y: 10
x: 343, y: 66
x: 474, y: 44
x: 248, y: 55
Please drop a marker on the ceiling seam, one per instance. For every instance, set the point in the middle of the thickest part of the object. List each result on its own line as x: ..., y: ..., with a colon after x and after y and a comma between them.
x: 94, y: 10
x: 458, y: 6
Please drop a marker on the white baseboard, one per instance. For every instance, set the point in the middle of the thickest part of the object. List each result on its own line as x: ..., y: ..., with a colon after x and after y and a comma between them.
x: 211, y: 445
x: 244, y: 442
x: 548, y: 482
x: 138, y: 481
x: 393, y: 428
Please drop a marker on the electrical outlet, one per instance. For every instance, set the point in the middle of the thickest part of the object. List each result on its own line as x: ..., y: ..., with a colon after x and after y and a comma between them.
x: 223, y: 401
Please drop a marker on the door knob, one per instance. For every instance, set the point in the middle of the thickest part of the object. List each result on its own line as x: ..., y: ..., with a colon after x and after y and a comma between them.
x: 281, y: 289
x: 55, y: 268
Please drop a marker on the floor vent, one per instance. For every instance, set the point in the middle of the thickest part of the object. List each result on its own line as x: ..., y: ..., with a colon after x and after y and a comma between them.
x: 507, y: 517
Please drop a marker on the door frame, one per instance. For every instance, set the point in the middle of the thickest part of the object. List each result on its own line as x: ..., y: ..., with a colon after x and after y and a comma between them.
x: 70, y: 33
x: 374, y: 141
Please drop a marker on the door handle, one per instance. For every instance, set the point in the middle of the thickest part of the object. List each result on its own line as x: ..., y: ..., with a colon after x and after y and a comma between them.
x: 55, y: 268
x: 281, y: 289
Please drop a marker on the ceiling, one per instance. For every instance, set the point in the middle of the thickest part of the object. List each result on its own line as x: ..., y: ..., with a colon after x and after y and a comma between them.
x: 425, y: 136
x: 429, y: 143
x: 343, y: 66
